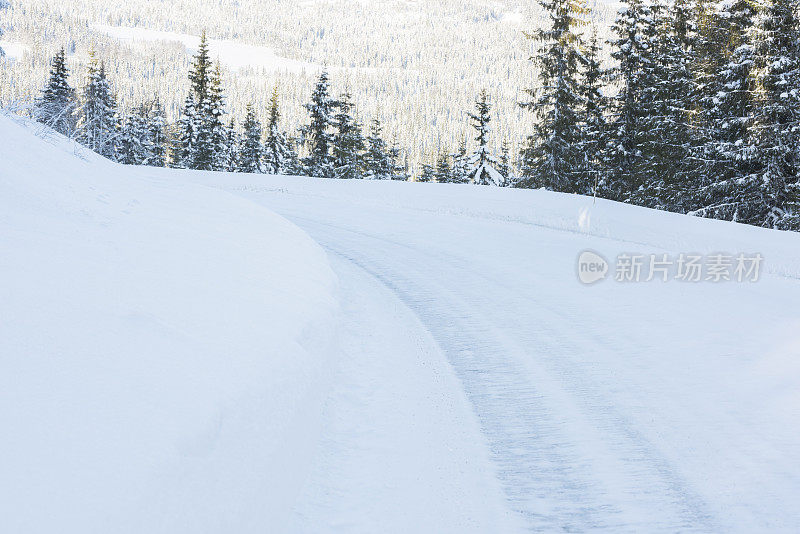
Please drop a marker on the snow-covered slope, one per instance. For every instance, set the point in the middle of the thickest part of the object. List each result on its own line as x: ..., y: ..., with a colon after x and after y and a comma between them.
x: 162, y: 349
x: 174, y: 357
x: 618, y: 407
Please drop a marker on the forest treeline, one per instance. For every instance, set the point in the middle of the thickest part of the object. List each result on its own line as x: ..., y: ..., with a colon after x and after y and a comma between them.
x: 699, y: 114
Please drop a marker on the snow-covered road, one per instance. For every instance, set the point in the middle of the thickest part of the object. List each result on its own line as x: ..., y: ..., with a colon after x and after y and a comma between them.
x: 656, y: 407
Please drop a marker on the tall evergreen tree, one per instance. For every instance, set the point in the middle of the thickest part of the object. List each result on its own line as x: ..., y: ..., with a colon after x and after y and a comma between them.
x: 97, y: 120
x: 276, y: 146
x: 667, y: 166
x: 483, y: 166
x: 630, y: 128
x: 203, y: 132
x: 377, y: 161
x: 550, y: 158
x: 348, y: 141
x: 505, y: 164
x: 201, y: 71
x: 777, y: 203
x: 219, y: 135
x: 157, y: 135
x: 461, y: 164
x: 728, y: 156
x: 228, y: 155
x: 133, y: 142
x: 56, y: 106
x: 591, y: 143
x: 317, y: 133
x: 250, y: 153
x: 185, y: 146
x: 399, y: 160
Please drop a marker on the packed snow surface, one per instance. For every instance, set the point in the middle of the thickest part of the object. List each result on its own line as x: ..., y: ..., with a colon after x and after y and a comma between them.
x: 174, y: 357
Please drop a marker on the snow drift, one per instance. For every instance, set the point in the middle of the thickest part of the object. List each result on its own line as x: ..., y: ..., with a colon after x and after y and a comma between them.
x: 162, y: 348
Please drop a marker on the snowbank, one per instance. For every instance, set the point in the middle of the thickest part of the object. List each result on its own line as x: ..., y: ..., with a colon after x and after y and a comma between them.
x: 657, y: 231
x: 162, y: 349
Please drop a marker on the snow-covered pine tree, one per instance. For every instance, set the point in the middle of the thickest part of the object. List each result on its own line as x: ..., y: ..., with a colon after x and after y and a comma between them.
x: 133, y: 145
x: 593, y: 129
x: 201, y: 71
x: 461, y: 164
x: 56, y: 106
x: 666, y: 164
x: 482, y: 165
x: 185, y: 142
x: 427, y: 171
x: 316, y: 134
x: 399, y: 161
x: 97, y: 115
x: 377, y: 162
x: 777, y: 203
x: 156, y: 135
x: 227, y: 157
x: 728, y: 155
x: 214, y: 119
x: 276, y: 147
x: 203, y: 133
x: 550, y: 158
x: 250, y: 151
x: 293, y: 164
x: 505, y: 164
x: 348, y: 141
x: 629, y: 130
x: 443, y: 173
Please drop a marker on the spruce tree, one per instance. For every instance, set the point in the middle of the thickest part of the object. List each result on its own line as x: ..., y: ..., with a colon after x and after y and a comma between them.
x: 317, y: 133
x: 214, y: 118
x: 777, y: 202
x: 204, y: 136
x: 443, y: 173
x: 133, y: 143
x: 227, y: 157
x: 461, y: 164
x: 156, y: 134
x: 667, y: 169
x: 505, y: 164
x: 56, y: 106
x: 250, y: 151
x: 97, y: 121
x: 348, y: 141
x: 427, y: 171
x: 377, y: 161
x: 728, y: 154
x: 183, y: 153
x: 482, y: 165
x: 399, y: 163
x: 629, y: 132
x: 201, y: 72
x: 276, y: 147
x: 591, y: 144
x: 550, y: 158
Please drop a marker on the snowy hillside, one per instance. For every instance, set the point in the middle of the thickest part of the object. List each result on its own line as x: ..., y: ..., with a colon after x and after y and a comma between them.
x: 156, y: 371
x: 380, y: 357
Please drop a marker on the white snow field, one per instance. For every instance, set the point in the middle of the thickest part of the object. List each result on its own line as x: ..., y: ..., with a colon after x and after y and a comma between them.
x: 175, y: 357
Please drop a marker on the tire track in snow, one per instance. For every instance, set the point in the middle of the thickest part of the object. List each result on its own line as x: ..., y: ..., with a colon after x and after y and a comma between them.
x: 537, y: 424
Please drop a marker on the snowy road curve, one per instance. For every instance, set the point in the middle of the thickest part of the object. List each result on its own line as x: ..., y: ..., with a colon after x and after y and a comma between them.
x: 651, y: 407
